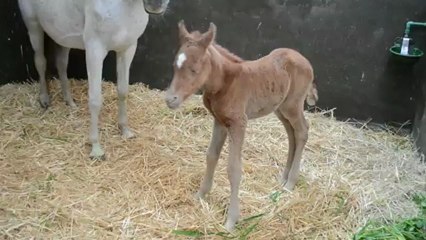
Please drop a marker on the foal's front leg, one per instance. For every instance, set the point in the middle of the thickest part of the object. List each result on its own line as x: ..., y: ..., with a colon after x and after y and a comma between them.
x: 236, y: 132
x: 124, y: 59
x: 213, y: 153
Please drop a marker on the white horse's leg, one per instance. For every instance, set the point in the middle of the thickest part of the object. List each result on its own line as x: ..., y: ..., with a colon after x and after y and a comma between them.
x: 62, y: 55
x: 36, y: 34
x: 95, y: 55
x: 124, y: 59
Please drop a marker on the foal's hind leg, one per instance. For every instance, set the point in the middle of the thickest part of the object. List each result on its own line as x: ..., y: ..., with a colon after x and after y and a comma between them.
x: 294, y: 114
x: 62, y: 55
x: 36, y: 34
x: 291, y: 145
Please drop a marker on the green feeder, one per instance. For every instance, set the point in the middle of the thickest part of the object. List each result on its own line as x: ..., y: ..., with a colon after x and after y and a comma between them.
x: 404, y: 50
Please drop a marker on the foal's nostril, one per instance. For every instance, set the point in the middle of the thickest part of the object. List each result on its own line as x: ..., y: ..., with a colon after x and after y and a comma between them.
x: 171, y: 99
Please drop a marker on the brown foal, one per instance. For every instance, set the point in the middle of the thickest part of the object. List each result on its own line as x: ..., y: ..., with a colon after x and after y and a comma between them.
x: 234, y: 91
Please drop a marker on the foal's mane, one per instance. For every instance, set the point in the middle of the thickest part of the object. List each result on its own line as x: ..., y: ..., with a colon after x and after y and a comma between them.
x: 221, y: 50
x: 227, y: 54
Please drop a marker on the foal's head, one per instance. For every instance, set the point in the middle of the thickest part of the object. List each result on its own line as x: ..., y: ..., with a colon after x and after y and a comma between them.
x: 191, y: 66
x: 155, y: 6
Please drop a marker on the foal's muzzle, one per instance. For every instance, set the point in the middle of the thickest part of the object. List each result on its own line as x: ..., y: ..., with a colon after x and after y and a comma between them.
x: 173, y: 101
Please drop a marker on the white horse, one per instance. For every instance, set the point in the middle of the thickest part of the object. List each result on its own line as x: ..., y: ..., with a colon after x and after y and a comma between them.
x: 96, y: 26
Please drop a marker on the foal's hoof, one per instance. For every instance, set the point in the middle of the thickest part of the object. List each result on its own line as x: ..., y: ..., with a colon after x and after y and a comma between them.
x: 97, y: 153
x: 230, y: 225
x: 44, y: 101
x: 288, y: 186
x: 127, y: 134
x: 282, y: 181
x: 199, y: 196
x: 71, y: 104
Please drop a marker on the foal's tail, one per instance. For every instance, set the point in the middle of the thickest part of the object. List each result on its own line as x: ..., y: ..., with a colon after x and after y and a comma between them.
x: 312, y: 97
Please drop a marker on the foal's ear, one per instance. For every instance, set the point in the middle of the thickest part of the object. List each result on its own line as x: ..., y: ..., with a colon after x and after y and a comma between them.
x: 183, y: 32
x: 209, y: 36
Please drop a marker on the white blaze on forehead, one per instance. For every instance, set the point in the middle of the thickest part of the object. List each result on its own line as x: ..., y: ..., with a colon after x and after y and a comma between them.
x: 180, y: 60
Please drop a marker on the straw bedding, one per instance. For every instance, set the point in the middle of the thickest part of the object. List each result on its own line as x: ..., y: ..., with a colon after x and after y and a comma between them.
x: 51, y: 190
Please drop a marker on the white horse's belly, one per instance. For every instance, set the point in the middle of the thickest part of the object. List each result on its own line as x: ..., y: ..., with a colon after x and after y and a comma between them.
x: 63, y: 21
x: 117, y: 24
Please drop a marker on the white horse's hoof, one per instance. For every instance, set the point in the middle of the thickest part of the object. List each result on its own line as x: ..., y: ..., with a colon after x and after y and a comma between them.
x: 97, y: 153
x: 44, y: 100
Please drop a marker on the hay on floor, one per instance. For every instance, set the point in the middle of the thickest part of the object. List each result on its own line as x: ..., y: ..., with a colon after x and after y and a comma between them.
x: 50, y: 189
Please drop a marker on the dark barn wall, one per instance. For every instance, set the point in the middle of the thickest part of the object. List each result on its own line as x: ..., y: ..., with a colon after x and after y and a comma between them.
x: 347, y: 42
x: 419, y: 128
x: 15, y: 64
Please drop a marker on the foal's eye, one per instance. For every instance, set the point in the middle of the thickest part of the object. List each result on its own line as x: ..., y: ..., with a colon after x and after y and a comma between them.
x: 193, y: 71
